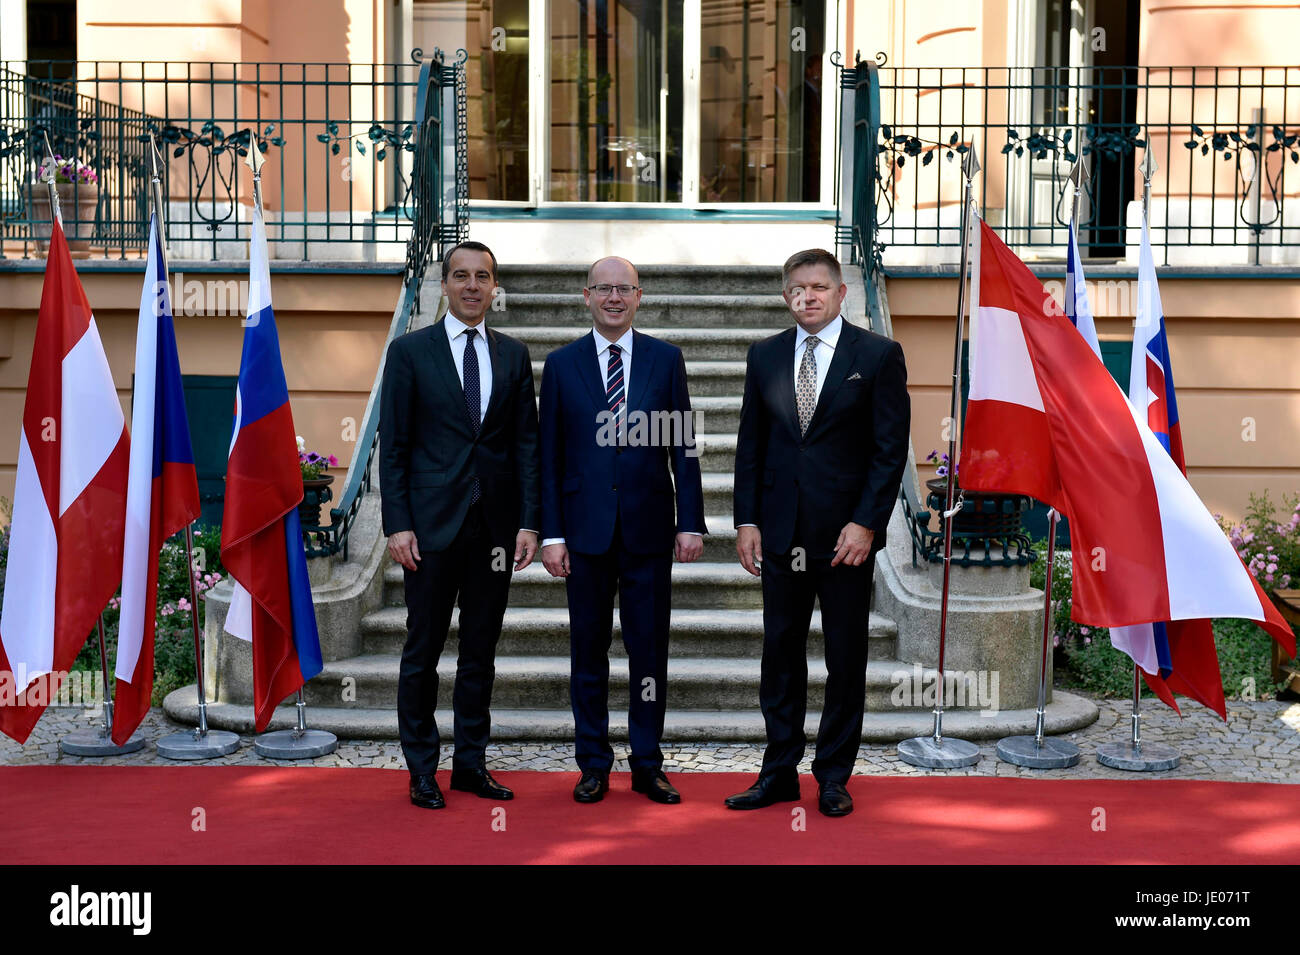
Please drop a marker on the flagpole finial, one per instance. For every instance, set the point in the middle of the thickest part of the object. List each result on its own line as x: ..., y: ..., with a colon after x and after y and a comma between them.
x: 1079, y: 172
x: 154, y: 156
x: 254, y: 159
x: 971, y: 165
x: 1149, y: 165
x: 55, y: 212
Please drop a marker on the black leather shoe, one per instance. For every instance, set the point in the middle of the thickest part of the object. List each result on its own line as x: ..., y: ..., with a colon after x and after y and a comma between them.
x: 480, y: 783
x: 770, y: 788
x: 425, y: 792
x: 655, y: 785
x: 591, y: 787
x: 834, y: 800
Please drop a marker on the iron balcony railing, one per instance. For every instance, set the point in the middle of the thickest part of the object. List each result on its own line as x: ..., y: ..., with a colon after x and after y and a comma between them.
x: 1225, y: 140
x: 339, y: 138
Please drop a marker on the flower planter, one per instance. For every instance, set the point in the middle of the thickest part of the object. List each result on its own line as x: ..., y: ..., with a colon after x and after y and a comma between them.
x: 985, y: 515
x: 315, y: 493
x: 79, y: 204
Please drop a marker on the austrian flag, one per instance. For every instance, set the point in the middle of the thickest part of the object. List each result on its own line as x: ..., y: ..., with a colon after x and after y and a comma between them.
x: 65, y: 545
x: 1046, y: 419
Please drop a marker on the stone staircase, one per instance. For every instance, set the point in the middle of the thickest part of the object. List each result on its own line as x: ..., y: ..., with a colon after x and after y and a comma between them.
x: 714, y: 314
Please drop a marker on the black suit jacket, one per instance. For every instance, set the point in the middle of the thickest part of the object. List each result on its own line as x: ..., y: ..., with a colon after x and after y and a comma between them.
x: 428, y: 453
x: 849, y: 465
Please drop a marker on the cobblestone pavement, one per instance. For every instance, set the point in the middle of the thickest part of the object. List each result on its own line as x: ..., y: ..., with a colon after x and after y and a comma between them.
x: 1259, y: 743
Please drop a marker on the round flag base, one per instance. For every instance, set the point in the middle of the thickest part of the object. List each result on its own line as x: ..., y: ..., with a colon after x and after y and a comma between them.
x: 944, y: 753
x: 97, y: 743
x: 1027, y: 751
x: 190, y: 744
x: 1145, y: 758
x: 291, y: 744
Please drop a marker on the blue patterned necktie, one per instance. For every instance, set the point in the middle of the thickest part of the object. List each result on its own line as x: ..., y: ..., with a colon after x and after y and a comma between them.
x: 473, y: 395
x: 614, y: 390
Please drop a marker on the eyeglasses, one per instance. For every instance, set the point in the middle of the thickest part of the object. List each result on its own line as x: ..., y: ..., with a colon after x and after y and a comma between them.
x: 603, y: 290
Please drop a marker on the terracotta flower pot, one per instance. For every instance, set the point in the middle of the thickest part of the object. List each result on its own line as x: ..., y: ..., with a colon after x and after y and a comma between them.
x: 78, y: 204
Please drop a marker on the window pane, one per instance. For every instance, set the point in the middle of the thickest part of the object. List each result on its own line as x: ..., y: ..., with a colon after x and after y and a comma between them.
x: 616, y: 100
x: 761, y: 100
x: 495, y: 34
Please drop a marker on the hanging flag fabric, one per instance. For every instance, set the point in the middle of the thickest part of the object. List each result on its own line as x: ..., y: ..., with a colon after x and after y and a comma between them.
x: 1077, y: 309
x: 65, y: 545
x: 162, y: 491
x: 1180, y: 655
x: 261, y: 535
x: 1046, y: 419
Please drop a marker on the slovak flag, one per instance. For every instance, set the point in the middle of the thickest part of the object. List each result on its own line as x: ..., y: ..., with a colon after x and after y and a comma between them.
x: 261, y: 535
x: 1046, y: 419
x: 65, y: 544
x: 162, y: 491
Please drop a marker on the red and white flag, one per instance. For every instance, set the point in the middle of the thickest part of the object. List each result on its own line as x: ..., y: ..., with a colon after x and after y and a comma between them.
x: 1045, y: 418
x: 69, y: 509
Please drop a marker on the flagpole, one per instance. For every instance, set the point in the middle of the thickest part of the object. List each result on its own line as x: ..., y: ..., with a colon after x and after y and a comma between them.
x: 299, y: 742
x: 88, y: 742
x: 1038, y: 751
x: 1134, y: 755
x: 936, y: 752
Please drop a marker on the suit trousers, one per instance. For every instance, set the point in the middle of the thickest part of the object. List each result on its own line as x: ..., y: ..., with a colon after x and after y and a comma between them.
x: 844, y: 593
x: 470, y: 573
x: 644, y: 586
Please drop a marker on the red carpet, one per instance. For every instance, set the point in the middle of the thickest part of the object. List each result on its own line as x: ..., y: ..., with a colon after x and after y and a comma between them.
x: 127, y: 815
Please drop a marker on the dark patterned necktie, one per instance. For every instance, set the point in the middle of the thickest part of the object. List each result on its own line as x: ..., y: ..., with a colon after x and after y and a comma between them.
x: 473, y: 395
x: 805, y: 391
x: 615, y: 393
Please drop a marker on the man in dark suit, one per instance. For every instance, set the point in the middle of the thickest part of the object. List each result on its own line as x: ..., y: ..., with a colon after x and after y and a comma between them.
x: 458, y: 474
x: 819, y: 459
x: 615, y: 414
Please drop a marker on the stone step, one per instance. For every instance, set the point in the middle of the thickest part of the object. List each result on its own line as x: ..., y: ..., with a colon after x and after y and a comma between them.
x: 656, y: 279
x: 544, y: 631
x: 711, y: 379
x: 1066, y: 713
x: 697, y: 586
x: 542, y: 683
x: 566, y: 310
x: 697, y: 344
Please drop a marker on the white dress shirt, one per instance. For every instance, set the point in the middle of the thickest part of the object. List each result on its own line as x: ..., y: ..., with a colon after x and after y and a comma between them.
x: 456, y: 337
x: 823, y: 352
x: 602, y: 364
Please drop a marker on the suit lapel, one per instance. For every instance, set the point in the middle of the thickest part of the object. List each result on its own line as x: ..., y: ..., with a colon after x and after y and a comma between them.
x: 499, y: 385
x: 589, y: 371
x: 840, y: 361
x: 645, y: 358
x: 785, y: 382
x: 445, y: 366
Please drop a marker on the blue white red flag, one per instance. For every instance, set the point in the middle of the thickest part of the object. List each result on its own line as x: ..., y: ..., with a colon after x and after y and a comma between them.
x: 261, y: 536
x: 1077, y: 309
x: 1045, y: 418
x: 162, y: 495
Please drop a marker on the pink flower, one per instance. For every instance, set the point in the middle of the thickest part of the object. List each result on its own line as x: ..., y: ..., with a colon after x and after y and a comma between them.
x: 183, y: 604
x: 1087, y: 639
x: 167, y: 610
x: 333, y: 461
x: 1084, y: 631
x: 1056, y: 639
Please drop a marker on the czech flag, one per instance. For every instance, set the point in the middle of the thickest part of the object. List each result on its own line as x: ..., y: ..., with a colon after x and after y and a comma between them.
x: 1045, y: 418
x: 162, y: 495
x: 65, y: 544
x: 261, y: 536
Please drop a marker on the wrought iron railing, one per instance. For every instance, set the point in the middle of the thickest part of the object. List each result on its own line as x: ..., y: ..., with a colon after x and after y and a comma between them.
x: 341, y: 169
x: 1225, y: 140
x: 440, y: 194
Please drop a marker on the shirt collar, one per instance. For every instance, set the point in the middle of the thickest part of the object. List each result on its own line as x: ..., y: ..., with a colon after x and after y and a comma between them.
x: 830, y: 335
x: 456, y: 327
x: 603, y: 343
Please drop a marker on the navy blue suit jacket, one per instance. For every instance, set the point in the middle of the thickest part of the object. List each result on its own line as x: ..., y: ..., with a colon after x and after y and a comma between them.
x: 587, y: 482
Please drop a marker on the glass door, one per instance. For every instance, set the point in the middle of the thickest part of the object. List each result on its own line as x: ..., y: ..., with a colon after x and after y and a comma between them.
x: 615, y: 113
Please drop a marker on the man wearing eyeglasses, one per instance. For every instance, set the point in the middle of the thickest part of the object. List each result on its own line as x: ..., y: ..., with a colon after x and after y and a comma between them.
x: 615, y: 416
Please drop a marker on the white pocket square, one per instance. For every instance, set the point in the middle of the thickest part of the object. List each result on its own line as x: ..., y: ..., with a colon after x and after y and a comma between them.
x: 853, y: 377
